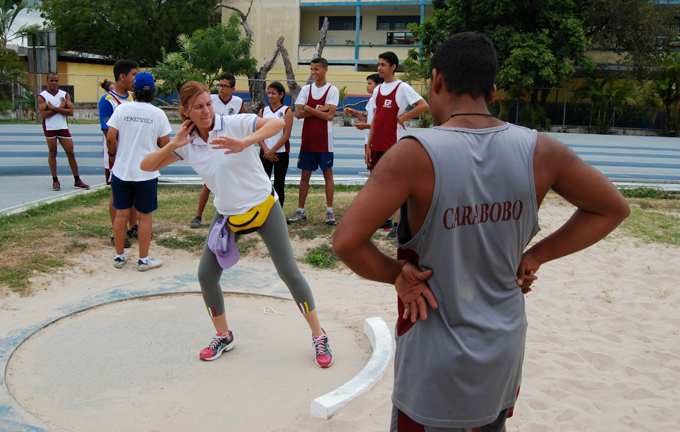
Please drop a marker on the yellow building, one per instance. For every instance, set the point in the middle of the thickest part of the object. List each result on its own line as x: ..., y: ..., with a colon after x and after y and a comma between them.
x: 358, y: 30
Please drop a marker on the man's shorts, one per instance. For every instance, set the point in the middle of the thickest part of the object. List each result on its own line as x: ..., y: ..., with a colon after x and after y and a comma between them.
x: 61, y: 133
x: 375, y: 157
x: 312, y: 161
x: 403, y: 423
x: 142, y: 194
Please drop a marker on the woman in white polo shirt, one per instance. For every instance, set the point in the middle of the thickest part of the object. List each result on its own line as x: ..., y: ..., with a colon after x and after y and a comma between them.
x: 239, y: 183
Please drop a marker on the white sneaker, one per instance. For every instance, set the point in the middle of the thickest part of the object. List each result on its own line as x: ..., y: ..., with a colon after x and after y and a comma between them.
x: 298, y: 216
x: 330, y: 218
x: 119, y: 262
x: 151, y: 264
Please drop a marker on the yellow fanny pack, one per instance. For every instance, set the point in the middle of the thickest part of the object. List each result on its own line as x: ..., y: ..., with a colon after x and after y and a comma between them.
x: 253, y: 219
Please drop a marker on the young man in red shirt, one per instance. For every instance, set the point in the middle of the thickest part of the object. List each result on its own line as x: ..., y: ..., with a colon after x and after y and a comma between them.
x: 316, y: 104
x: 390, y: 100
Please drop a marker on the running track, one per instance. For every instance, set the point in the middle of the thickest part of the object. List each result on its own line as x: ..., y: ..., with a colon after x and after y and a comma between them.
x: 621, y: 158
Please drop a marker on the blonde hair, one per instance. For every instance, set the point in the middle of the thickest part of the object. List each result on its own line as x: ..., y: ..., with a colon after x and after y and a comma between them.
x: 187, y: 95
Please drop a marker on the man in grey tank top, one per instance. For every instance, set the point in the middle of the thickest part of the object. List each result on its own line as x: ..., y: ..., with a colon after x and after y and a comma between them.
x: 469, y: 191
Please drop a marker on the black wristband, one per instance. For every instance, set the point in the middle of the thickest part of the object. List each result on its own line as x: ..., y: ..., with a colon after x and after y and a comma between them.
x: 111, y: 155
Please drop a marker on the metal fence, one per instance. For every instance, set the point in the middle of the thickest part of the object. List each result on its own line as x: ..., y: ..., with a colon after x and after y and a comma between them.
x: 562, y: 107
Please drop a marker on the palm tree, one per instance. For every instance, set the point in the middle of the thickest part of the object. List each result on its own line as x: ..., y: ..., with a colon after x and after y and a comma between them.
x: 608, y: 97
x: 9, y: 10
x: 664, y: 94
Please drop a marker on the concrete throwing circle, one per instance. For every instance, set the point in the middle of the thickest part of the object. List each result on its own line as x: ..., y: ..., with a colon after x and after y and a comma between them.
x: 133, y: 365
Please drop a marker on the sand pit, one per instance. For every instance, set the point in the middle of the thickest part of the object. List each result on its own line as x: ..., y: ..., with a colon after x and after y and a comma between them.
x: 602, y: 351
x: 133, y: 365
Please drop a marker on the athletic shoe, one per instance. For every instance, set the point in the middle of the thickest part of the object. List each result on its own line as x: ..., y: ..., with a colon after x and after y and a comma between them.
x: 330, y: 218
x: 80, y: 184
x: 392, y: 234
x: 56, y: 186
x: 127, y: 243
x: 196, y: 223
x: 119, y: 262
x: 132, y: 232
x: 151, y: 264
x: 387, y: 225
x: 324, y: 356
x: 298, y: 216
x: 217, y: 346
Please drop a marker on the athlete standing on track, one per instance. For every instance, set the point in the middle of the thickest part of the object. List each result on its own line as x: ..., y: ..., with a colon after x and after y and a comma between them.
x: 316, y: 104
x: 389, y: 123
x: 55, y: 105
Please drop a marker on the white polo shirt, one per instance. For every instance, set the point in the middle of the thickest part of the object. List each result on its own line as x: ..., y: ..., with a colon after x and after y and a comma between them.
x: 232, y: 107
x: 237, y: 179
x: 370, y: 112
x: 139, y: 126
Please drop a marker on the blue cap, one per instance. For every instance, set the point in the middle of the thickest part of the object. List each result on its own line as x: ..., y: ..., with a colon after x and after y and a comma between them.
x: 144, y: 81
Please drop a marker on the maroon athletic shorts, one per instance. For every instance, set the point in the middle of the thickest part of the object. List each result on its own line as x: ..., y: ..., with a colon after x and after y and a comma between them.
x: 61, y: 133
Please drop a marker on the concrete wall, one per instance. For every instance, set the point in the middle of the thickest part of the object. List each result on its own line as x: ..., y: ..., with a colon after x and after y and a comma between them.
x: 270, y: 19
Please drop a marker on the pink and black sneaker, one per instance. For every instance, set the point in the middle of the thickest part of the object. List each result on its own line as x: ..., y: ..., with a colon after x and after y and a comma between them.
x: 324, y: 356
x: 218, y: 345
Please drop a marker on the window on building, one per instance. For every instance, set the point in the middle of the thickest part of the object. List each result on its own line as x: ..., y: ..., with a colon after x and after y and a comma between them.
x: 342, y: 22
x: 399, y: 38
x: 398, y: 23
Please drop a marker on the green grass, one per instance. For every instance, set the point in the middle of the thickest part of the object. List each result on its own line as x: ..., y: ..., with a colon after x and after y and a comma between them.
x: 43, y: 238
x: 652, y: 226
x: 183, y: 239
x: 321, y: 257
x: 647, y: 192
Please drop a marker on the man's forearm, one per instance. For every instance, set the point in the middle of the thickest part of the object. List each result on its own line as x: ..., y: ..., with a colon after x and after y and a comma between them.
x: 415, y: 112
x: 320, y: 114
x: 582, y: 230
x: 111, y: 146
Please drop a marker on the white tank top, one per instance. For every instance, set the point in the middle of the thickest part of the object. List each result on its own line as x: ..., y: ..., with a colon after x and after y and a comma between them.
x: 57, y: 121
x: 280, y: 113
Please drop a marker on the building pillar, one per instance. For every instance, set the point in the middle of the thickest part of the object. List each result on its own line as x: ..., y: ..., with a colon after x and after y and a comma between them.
x: 422, y: 17
x: 356, y: 38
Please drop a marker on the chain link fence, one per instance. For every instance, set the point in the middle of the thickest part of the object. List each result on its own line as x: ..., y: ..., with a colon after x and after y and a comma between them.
x: 561, y: 108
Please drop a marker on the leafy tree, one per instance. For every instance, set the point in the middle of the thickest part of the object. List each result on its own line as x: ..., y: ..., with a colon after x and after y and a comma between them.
x: 417, y: 70
x: 663, y: 93
x: 538, y: 43
x: 608, y: 97
x: 639, y: 30
x: 134, y: 29
x: 204, y: 56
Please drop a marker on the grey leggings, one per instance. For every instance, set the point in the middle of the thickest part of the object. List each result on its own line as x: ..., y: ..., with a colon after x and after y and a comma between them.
x: 274, y: 232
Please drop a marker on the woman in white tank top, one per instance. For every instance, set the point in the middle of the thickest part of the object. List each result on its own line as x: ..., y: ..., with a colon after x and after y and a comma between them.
x: 275, y: 151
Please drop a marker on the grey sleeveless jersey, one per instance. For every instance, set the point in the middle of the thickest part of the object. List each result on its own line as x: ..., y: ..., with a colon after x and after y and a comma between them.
x: 463, y: 365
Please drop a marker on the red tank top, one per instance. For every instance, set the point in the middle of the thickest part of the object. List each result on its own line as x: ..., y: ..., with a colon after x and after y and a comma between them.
x: 385, y: 121
x: 314, y: 129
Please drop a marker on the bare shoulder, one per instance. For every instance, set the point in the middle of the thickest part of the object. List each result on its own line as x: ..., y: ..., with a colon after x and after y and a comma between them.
x: 408, y: 165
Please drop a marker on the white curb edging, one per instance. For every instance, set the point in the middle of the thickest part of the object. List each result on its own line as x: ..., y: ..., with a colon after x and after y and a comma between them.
x: 381, y: 340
